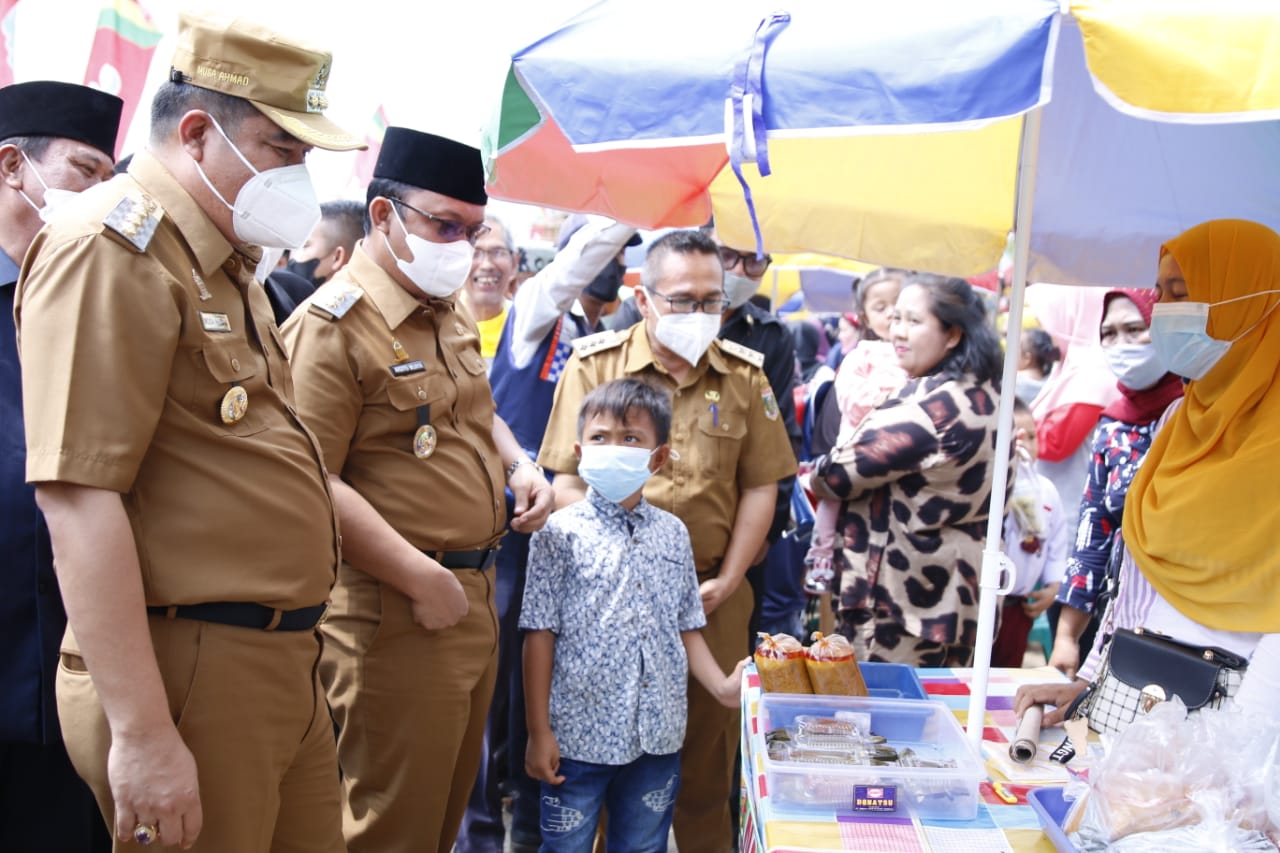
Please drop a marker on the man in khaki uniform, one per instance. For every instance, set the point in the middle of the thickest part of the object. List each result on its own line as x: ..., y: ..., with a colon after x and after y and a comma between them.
x: 389, y: 375
x: 732, y: 450
x: 193, y: 530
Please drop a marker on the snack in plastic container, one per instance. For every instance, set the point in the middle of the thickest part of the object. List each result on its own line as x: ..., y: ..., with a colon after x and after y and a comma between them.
x: 780, y: 663
x: 833, y: 668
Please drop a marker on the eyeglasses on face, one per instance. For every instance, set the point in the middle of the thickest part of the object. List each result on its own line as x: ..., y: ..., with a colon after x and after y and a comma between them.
x: 497, y: 254
x: 684, y: 305
x: 751, y: 265
x: 448, y: 230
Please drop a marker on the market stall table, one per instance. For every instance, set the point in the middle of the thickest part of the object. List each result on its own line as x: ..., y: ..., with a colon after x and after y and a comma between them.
x: 1000, y: 825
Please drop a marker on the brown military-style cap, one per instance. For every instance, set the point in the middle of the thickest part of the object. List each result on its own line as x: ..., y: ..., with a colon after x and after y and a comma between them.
x: 284, y: 79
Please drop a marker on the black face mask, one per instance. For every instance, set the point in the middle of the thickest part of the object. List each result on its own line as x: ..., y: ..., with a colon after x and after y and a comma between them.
x: 306, y: 269
x: 605, y: 285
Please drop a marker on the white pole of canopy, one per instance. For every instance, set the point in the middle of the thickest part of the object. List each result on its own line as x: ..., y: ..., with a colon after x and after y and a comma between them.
x: 989, y: 581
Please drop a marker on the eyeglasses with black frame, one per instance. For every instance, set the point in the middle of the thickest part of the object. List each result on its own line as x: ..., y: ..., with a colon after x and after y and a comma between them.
x: 751, y: 265
x: 684, y: 305
x: 448, y: 230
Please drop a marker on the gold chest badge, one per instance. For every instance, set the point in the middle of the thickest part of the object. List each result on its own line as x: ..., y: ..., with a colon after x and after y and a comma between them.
x: 424, y: 441
x: 234, y: 405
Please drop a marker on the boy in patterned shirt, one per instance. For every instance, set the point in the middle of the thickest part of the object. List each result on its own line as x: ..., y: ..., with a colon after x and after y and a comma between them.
x: 612, y: 616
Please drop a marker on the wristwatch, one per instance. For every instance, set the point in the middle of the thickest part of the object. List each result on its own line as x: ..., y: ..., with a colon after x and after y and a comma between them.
x: 523, y: 460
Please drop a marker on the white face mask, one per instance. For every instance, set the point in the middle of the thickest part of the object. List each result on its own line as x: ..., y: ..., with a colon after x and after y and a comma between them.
x: 615, y: 470
x: 687, y: 335
x: 53, y: 197
x: 270, y: 260
x: 276, y: 208
x: 1179, y: 331
x: 738, y: 289
x: 1137, y: 366
x: 437, y: 269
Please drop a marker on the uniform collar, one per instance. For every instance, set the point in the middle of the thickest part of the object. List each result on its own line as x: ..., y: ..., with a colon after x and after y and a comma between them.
x: 640, y: 355
x: 204, y: 238
x: 609, y: 509
x: 393, y: 302
x: 8, y: 270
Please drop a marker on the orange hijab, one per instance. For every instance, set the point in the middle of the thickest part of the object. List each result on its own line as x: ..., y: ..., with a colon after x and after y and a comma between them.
x: 1203, y: 511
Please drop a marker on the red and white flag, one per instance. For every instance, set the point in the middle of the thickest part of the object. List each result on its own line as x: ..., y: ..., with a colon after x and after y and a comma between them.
x: 366, y: 160
x: 8, y: 15
x: 121, y: 55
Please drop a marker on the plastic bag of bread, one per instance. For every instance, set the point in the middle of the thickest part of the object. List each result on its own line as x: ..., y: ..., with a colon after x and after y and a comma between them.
x: 833, y: 669
x: 780, y: 662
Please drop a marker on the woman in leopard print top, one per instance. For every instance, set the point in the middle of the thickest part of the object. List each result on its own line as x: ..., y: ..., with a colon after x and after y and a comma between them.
x: 916, y: 484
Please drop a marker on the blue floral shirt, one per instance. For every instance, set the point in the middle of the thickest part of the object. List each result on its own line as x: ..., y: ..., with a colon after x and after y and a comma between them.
x: 1118, y: 450
x: 617, y: 588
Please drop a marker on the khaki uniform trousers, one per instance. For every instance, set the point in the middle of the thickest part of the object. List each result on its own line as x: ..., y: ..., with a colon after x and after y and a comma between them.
x: 249, y: 706
x: 702, y: 822
x: 411, y: 706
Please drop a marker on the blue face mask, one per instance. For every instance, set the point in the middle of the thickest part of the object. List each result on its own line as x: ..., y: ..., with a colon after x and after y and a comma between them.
x: 1179, y: 332
x: 614, y: 470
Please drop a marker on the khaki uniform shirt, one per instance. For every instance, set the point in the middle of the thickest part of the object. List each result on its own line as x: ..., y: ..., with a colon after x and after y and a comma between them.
x: 135, y: 319
x: 367, y: 359
x: 725, y: 425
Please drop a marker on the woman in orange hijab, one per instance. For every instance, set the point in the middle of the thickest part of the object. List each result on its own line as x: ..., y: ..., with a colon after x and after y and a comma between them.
x: 1200, y: 520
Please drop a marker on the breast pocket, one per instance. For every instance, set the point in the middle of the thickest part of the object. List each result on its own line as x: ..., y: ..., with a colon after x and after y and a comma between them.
x: 718, y: 443
x: 227, y: 388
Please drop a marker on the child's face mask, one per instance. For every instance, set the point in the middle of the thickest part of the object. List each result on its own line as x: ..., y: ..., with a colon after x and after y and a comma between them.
x: 615, y: 470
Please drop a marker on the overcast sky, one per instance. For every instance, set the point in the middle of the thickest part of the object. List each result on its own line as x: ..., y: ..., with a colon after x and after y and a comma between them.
x: 435, y: 66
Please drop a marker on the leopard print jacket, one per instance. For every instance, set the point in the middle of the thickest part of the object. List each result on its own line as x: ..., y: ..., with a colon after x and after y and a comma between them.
x: 915, y: 480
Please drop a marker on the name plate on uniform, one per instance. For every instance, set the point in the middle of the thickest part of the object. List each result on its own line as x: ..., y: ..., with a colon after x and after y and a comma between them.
x: 213, y: 322
x: 407, y: 368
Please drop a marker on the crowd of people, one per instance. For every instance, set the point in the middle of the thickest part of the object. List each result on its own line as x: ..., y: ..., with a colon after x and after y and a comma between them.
x: 359, y: 547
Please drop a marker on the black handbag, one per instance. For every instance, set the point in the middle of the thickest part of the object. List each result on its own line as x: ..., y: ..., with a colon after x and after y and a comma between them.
x: 1140, y: 668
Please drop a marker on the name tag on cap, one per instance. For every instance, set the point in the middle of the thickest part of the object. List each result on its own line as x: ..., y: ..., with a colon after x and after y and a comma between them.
x: 407, y: 368
x: 213, y: 322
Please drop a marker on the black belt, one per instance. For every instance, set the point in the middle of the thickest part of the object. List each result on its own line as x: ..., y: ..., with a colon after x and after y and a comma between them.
x: 245, y: 614
x: 481, y: 559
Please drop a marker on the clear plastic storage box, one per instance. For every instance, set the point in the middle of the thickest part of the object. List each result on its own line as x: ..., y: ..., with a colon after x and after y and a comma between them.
x: 867, y: 756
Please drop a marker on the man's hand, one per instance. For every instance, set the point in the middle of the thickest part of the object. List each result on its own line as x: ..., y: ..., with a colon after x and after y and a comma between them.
x: 534, y: 499
x: 714, y: 591
x: 438, y: 599
x: 542, y: 758
x: 1039, y: 601
x: 1060, y: 695
x: 153, y: 781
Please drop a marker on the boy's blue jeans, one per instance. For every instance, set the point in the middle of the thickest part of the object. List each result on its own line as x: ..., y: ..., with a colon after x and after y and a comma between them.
x: 640, y: 798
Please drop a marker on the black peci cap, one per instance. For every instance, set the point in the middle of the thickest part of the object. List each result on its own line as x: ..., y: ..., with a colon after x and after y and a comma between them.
x: 431, y: 162
x: 66, y: 110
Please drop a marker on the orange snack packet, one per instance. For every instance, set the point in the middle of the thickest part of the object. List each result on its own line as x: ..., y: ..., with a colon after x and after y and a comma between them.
x: 833, y: 668
x: 780, y: 662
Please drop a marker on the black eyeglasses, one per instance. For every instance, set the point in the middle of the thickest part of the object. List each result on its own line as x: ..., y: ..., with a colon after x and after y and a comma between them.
x: 751, y: 265
x: 684, y: 305
x: 448, y: 230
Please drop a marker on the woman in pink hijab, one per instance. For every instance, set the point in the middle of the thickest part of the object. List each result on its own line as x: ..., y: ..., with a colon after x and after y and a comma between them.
x: 1068, y: 407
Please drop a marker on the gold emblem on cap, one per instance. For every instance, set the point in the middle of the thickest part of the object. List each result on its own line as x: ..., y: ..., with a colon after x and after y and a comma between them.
x: 234, y: 404
x: 322, y: 77
x: 424, y: 441
x: 317, y: 102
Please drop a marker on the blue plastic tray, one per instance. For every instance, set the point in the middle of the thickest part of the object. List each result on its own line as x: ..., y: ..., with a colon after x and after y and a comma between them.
x: 1052, y: 809
x: 892, y: 681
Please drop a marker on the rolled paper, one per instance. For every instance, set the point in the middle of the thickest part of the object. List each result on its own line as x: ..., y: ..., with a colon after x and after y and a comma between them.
x: 1027, y: 737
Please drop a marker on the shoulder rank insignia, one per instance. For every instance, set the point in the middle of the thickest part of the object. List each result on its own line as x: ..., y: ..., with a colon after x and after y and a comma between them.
x: 599, y: 342
x: 334, y: 299
x: 135, y: 219
x: 753, y: 357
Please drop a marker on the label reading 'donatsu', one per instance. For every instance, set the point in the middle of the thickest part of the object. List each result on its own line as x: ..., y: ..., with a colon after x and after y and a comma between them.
x: 875, y: 798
